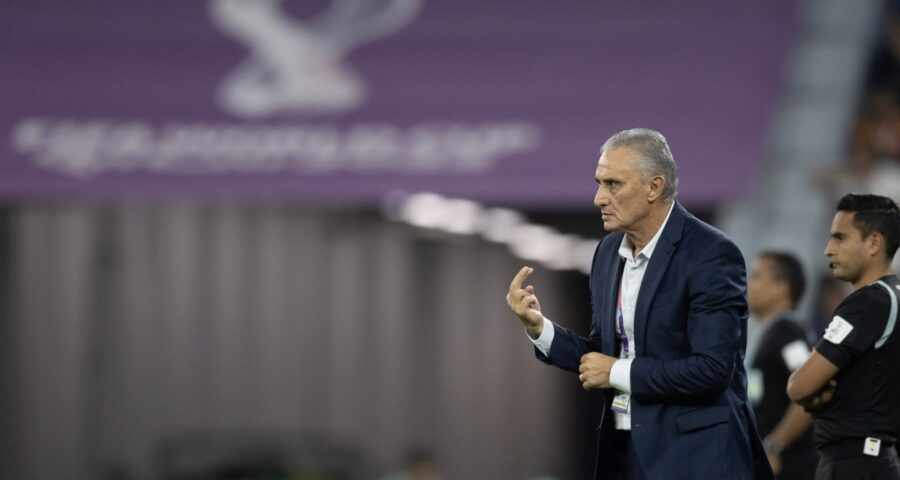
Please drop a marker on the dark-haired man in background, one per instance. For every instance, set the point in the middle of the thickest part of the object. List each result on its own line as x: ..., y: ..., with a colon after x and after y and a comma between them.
x: 775, y: 288
x: 855, y: 365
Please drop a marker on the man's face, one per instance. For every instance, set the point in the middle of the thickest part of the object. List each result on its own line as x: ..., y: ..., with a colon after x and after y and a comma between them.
x: 621, y: 195
x: 763, y: 289
x: 846, y: 250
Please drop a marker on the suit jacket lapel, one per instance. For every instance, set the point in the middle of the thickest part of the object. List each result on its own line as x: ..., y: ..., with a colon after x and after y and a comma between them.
x: 610, y: 299
x: 659, y: 262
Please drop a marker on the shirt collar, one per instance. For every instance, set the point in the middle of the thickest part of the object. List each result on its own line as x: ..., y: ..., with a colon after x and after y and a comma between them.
x: 626, y: 247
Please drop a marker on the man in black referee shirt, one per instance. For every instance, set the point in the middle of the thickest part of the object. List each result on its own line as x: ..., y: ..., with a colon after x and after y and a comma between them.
x: 775, y: 287
x: 851, y: 381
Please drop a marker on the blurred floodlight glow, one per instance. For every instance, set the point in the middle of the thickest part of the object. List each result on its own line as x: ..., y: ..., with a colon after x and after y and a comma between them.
x: 463, y: 217
x: 430, y: 210
x: 560, y: 255
x: 535, y: 243
x: 582, y: 254
x: 499, y: 224
x: 426, y: 210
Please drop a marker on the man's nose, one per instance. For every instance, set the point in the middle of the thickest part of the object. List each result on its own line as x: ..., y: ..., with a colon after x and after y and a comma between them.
x: 600, y: 199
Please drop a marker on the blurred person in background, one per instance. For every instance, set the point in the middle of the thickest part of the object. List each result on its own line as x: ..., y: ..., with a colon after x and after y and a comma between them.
x: 873, y: 165
x: 670, y: 360
x: 851, y: 381
x: 775, y: 288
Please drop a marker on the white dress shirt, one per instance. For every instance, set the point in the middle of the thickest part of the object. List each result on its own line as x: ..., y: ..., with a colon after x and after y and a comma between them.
x: 632, y: 276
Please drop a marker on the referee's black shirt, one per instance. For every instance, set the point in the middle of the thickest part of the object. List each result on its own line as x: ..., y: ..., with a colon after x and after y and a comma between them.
x: 783, y: 348
x: 862, y: 341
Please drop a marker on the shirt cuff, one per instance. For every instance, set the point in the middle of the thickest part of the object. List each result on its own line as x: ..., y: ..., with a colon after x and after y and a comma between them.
x: 544, y: 341
x: 620, y: 375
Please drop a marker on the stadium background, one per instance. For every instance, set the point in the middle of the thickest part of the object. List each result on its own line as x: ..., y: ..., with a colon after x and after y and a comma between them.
x: 271, y: 238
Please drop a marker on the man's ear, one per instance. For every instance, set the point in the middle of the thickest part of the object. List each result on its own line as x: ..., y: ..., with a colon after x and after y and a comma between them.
x: 657, y: 185
x: 874, y: 243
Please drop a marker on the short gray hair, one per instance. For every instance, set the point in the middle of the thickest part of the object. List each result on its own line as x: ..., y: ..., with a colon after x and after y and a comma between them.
x: 654, y: 156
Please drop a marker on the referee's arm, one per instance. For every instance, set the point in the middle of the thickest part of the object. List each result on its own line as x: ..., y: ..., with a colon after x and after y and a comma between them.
x: 811, y: 385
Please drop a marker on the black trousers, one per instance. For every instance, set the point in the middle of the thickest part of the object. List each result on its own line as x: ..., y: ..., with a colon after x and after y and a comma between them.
x: 854, y: 465
x: 629, y: 468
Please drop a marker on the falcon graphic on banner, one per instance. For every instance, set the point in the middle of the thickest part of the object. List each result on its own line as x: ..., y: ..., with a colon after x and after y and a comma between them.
x: 298, y: 66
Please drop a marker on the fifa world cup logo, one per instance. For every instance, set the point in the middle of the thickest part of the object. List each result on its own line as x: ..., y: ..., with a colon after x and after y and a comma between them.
x: 298, y: 66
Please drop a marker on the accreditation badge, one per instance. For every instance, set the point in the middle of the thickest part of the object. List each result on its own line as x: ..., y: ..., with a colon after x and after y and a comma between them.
x: 620, y: 403
x: 872, y: 446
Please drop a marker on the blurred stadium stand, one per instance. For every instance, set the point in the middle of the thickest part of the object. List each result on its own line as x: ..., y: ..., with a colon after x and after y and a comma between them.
x: 811, y: 131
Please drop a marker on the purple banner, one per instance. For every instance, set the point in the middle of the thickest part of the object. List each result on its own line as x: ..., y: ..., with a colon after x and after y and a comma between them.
x: 342, y: 101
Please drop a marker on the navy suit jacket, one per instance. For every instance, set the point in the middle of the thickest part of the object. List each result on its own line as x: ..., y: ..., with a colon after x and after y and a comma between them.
x: 690, y: 417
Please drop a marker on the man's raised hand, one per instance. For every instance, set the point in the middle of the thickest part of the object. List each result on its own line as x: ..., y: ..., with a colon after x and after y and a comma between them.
x: 524, y: 303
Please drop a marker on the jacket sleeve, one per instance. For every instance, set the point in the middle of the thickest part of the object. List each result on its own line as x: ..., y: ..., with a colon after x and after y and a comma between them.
x: 568, y: 347
x: 717, y: 307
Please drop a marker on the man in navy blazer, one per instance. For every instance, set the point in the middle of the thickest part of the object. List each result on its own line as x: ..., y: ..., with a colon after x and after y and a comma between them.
x: 668, y: 329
